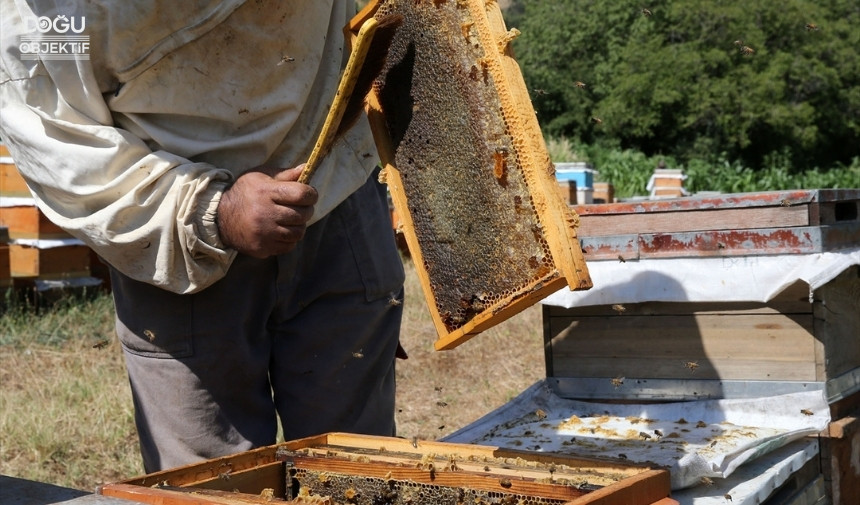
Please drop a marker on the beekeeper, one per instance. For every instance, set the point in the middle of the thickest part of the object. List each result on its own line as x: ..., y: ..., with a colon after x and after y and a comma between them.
x: 165, y: 135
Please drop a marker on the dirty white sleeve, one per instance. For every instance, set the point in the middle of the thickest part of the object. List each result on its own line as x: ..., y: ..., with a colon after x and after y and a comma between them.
x: 149, y: 214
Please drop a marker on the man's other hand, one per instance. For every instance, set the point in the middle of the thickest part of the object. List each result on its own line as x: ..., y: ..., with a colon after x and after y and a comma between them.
x: 265, y: 212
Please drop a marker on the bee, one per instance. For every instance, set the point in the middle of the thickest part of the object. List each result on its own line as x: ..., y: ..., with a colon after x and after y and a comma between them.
x: 738, y: 42
x: 619, y: 308
x: 286, y: 59
x: 358, y: 354
x: 728, y: 497
x: 747, y: 50
x: 644, y: 435
x: 441, y: 404
x: 785, y: 202
x: 540, y: 414
x: 622, y: 455
x: 505, y: 483
x: 596, y: 120
x: 500, y: 163
x: 438, y: 389
x: 101, y: 344
x: 415, y: 442
x: 811, y: 27
x: 441, y: 427
x: 621, y: 259
x: 394, y: 301
x: 149, y: 334
x: 267, y: 493
x: 617, y: 382
x: 707, y: 481
x: 579, y: 84
x: 539, y: 92
x: 692, y: 365
x: 646, y: 12
x: 701, y: 424
x: 465, y: 28
x: 806, y: 412
x: 243, y: 111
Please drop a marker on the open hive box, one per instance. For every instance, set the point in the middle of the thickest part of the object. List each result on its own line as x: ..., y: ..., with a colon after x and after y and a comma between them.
x: 359, y: 469
x: 467, y: 167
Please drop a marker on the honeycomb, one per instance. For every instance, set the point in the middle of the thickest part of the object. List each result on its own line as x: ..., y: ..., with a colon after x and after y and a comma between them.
x: 462, y: 162
x: 363, y: 490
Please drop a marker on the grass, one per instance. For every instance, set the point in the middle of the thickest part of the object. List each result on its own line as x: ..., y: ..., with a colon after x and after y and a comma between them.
x: 65, y: 406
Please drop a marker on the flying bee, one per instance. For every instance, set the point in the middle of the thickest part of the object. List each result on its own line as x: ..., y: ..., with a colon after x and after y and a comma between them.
x: 619, y: 308
x: 811, y: 27
x: 806, y: 412
x: 658, y: 433
x: 596, y: 120
x: 286, y: 59
x: 394, y: 301
x: 539, y: 92
x: 579, y: 84
x: 747, y: 50
x: 738, y: 42
x: 646, y: 12
x: 101, y: 344
x: 692, y: 365
x: 617, y: 382
x: 358, y: 354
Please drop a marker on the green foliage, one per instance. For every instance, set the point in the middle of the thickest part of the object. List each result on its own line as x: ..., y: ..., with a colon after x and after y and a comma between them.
x: 629, y: 170
x: 677, y: 83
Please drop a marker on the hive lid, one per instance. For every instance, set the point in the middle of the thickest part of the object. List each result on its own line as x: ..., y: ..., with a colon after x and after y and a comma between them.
x: 467, y: 167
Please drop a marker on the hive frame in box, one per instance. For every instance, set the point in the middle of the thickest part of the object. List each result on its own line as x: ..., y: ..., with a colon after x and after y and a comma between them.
x: 268, y: 475
x: 467, y: 167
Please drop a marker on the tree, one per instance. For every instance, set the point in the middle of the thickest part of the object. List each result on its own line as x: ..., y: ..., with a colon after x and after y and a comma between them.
x: 749, y: 80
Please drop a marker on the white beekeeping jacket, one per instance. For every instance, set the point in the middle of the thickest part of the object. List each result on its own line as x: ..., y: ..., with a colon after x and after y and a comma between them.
x: 130, y: 149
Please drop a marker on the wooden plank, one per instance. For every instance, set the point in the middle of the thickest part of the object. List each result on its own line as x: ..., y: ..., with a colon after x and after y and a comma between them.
x: 647, y: 487
x: 11, y: 182
x: 51, y: 263
x: 836, y: 307
x: 183, y: 496
x: 28, y: 222
x: 5, y: 270
x: 250, y: 480
x: 743, y: 347
x: 840, y: 451
x: 789, y: 198
x: 595, y: 225
x: 723, y: 243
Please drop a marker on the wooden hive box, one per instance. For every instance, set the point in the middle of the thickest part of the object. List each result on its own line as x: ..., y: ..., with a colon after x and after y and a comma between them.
x: 467, y: 168
x: 689, y: 348
x: 359, y: 469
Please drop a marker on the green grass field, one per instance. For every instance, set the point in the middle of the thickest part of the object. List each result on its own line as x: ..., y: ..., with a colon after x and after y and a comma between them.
x: 66, y: 416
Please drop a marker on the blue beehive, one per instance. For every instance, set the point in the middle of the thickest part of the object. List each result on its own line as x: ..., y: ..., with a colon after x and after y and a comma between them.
x: 579, y: 172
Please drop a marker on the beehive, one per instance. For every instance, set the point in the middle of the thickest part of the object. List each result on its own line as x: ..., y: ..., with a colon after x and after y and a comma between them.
x: 467, y: 167
x: 343, y: 468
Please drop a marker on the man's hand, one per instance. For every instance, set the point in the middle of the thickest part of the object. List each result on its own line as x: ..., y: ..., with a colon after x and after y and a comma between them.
x: 265, y: 212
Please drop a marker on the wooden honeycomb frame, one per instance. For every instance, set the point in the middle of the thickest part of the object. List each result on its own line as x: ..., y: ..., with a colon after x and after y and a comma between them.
x: 467, y: 168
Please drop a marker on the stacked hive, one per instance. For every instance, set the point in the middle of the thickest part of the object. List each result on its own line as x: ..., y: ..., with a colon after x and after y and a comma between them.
x: 35, y: 250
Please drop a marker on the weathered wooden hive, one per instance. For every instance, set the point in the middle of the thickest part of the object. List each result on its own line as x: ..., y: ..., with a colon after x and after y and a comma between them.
x: 467, y: 167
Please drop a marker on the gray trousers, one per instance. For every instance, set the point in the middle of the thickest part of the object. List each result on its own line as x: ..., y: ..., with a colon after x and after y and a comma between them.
x: 308, y: 337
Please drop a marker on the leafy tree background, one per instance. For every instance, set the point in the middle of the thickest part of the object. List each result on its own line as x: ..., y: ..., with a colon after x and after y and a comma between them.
x: 672, y: 81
